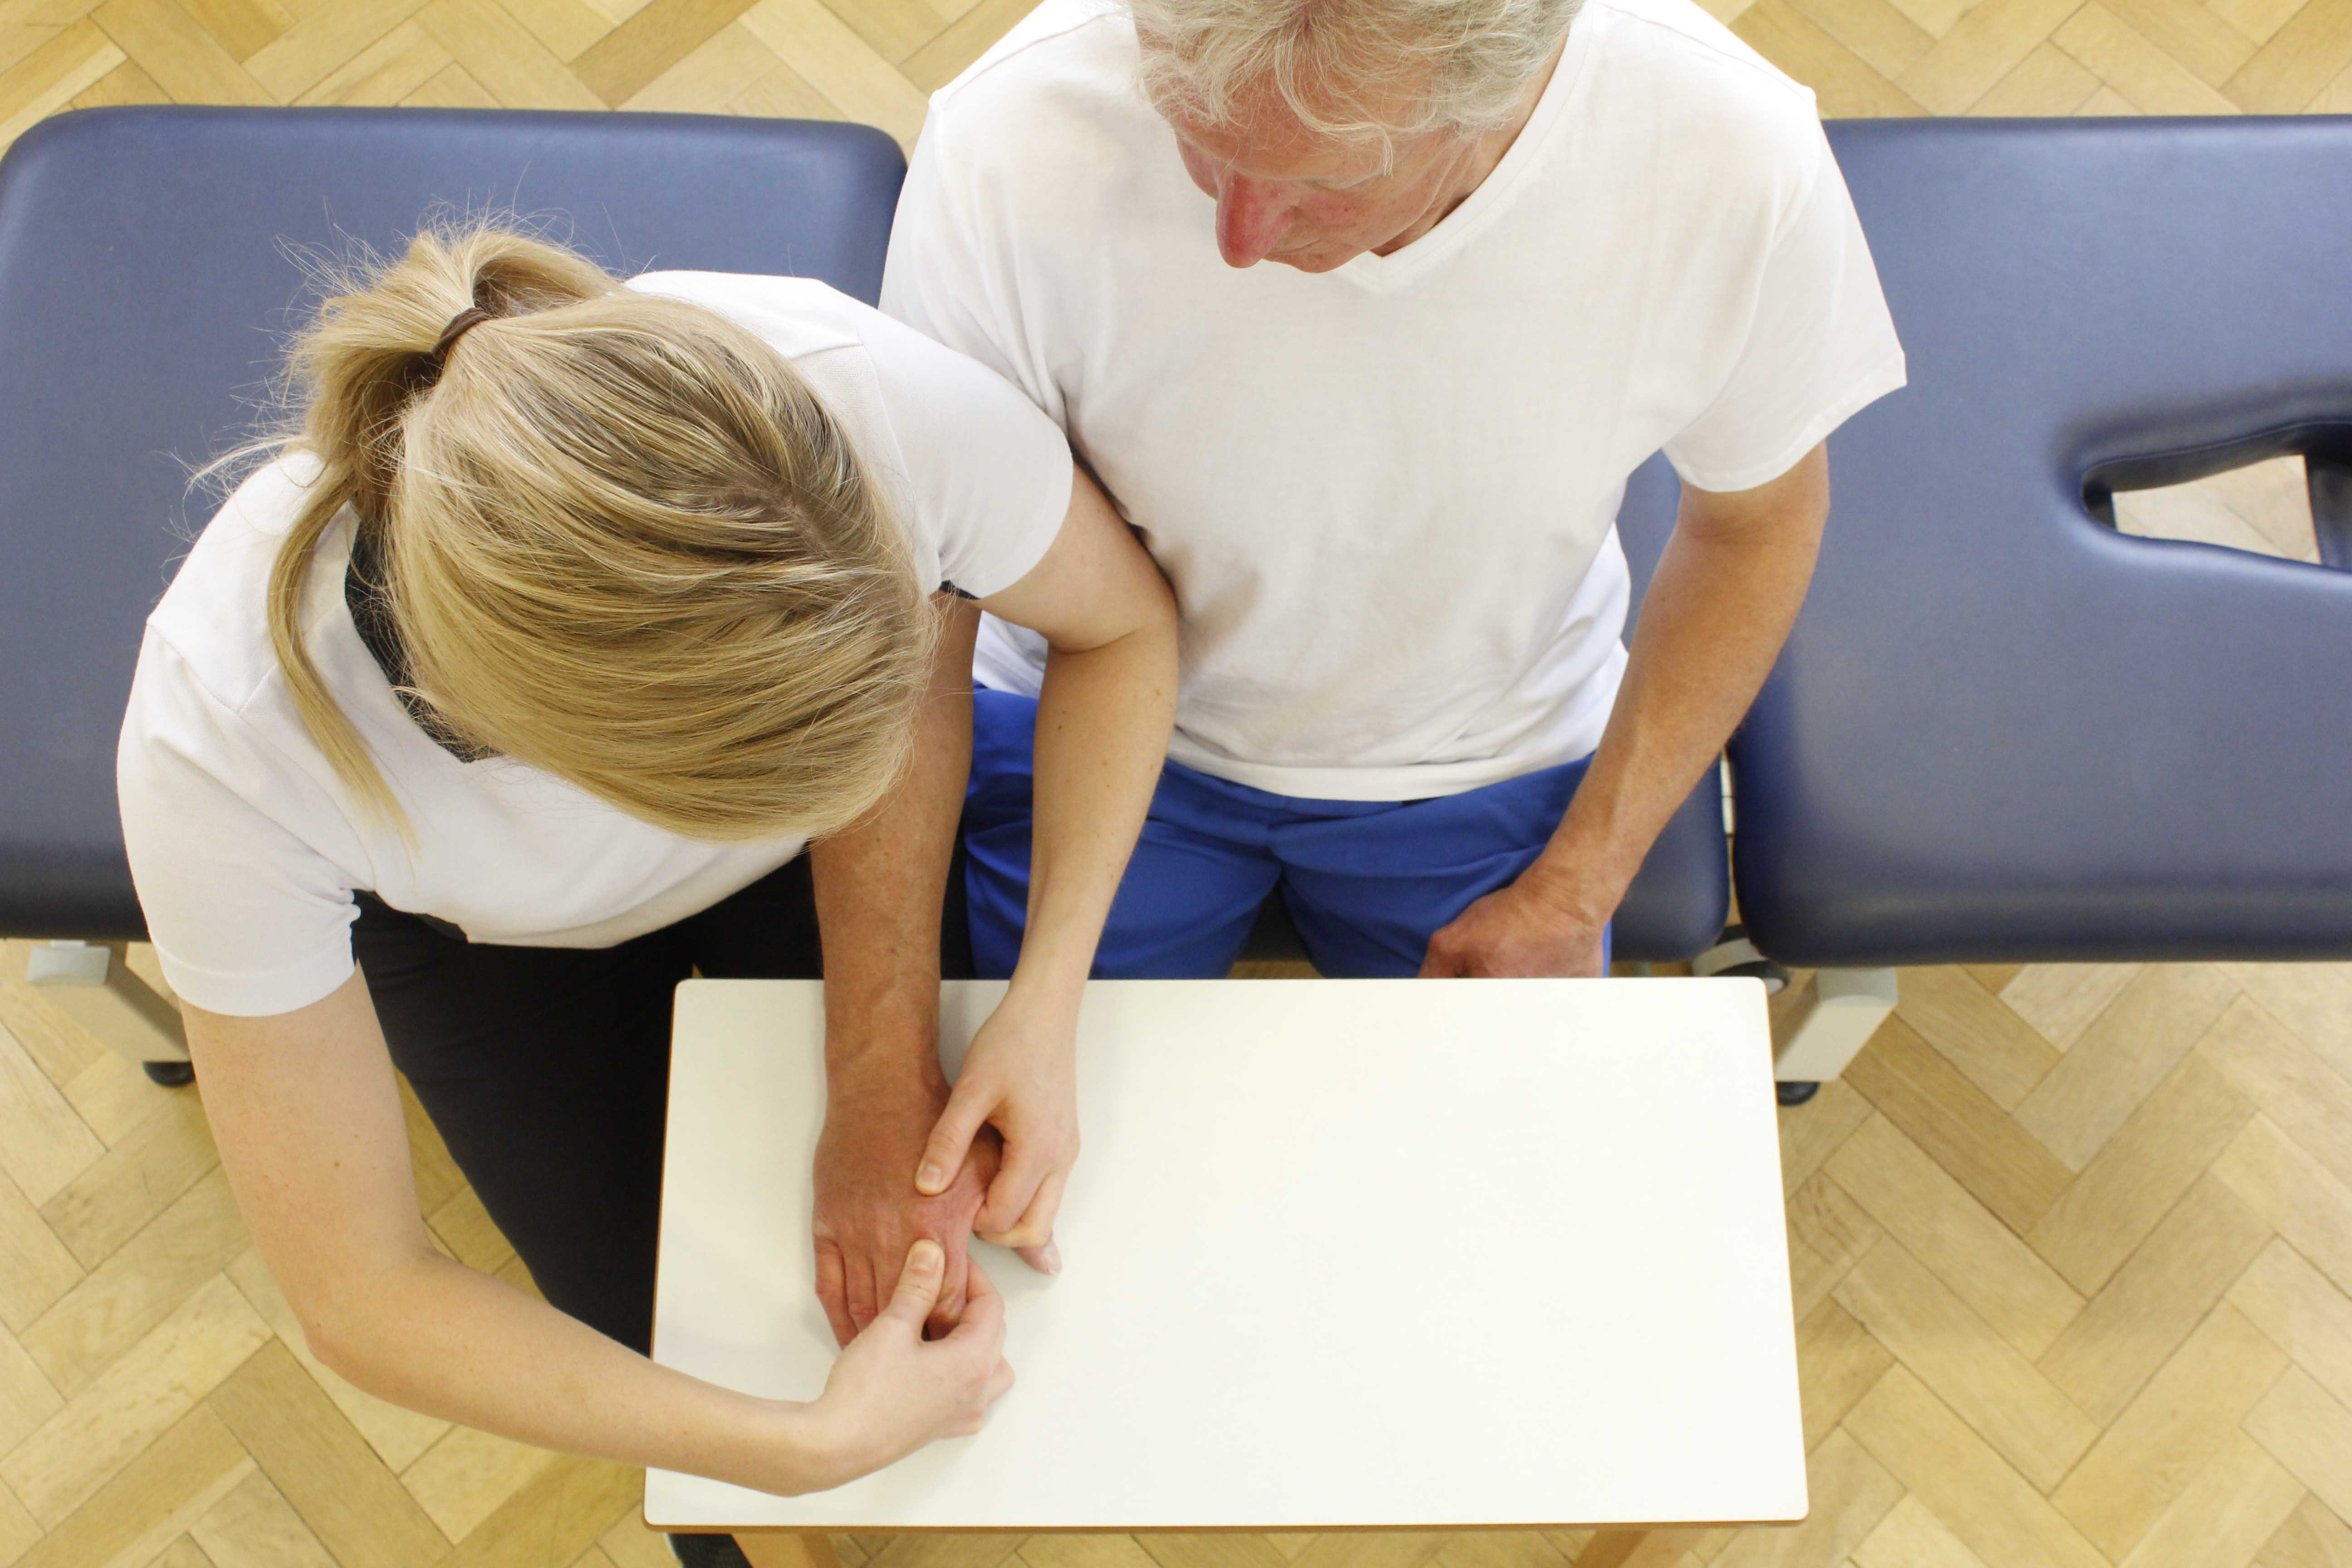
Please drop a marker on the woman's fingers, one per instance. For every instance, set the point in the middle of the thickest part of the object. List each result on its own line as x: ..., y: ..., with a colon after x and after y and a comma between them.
x: 1018, y: 1182
x: 1000, y: 1380
x: 1033, y: 1235
x: 983, y: 1309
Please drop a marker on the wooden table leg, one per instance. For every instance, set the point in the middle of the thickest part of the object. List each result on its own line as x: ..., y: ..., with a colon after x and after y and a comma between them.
x: 1636, y: 1548
x: 782, y: 1549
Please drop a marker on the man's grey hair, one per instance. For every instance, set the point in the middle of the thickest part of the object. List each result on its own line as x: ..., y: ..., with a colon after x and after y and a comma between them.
x: 1342, y: 66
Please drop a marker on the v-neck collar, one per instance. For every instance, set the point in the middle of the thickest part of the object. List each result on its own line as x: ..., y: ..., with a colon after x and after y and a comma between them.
x: 1383, y: 274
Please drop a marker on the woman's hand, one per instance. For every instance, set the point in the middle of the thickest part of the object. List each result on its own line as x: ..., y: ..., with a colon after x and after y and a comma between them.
x: 892, y: 1391
x: 1019, y: 1078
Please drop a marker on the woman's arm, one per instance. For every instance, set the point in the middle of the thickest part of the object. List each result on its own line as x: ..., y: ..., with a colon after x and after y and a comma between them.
x: 306, y: 1115
x: 1103, y: 720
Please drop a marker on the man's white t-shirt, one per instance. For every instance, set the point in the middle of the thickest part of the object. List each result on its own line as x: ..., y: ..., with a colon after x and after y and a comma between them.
x: 247, y: 847
x: 1386, y: 495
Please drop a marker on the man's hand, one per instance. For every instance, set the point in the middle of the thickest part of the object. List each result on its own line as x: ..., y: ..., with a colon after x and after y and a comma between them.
x: 869, y: 1213
x: 1020, y: 1079
x: 1527, y: 929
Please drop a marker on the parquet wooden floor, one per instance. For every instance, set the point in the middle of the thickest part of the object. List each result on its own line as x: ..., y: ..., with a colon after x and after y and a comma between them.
x: 2072, y: 1246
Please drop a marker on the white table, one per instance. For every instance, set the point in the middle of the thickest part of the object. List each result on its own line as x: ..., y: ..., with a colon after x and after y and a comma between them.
x: 1341, y: 1254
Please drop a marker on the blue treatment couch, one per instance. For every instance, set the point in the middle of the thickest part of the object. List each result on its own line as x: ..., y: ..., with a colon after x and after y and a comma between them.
x: 2003, y: 731
x: 147, y: 277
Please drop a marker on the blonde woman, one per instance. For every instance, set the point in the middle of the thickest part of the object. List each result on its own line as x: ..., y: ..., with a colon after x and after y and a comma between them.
x: 510, y: 692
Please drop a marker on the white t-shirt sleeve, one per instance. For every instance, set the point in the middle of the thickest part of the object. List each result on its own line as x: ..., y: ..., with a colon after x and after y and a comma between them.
x: 985, y: 474
x: 1819, y: 346
x: 944, y: 281
x: 246, y: 917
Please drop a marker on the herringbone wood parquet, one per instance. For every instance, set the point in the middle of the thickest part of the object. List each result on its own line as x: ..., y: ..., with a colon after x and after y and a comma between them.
x: 2072, y: 1246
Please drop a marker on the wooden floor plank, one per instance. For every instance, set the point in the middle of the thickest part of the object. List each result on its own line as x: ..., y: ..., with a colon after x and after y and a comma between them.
x: 35, y: 1269
x: 2121, y: 1059
x: 2313, y: 1537
x: 2128, y: 61
x: 151, y: 1167
x: 2131, y: 1184
x: 2310, y: 1432
x: 1929, y: 1213
x: 1975, y: 1372
x: 2150, y: 1454
x: 2300, y: 58
x: 255, y: 1527
x: 45, y: 81
x: 174, y: 47
x: 96, y: 1322
x: 2236, y: 1503
x: 2303, y: 1097
x: 346, y: 1496
x: 2045, y: 82
x: 1913, y: 1537
x: 1837, y: 1362
x: 624, y: 61
x: 2298, y: 1310
x: 193, y: 1462
x: 2000, y: 1053
x: 1992, y: 1508
x: 1961, y: 1129
x: 2156, y: 1299
x: 2058, y: 1000
x: 2315, y: 1000
x: 152, y: 1388
x: 1983, y: 46
x: 47, y: 1142
x: 2294, y: 1193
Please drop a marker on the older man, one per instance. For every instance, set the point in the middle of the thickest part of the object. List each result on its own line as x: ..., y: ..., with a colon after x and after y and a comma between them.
x: 1516, y: 248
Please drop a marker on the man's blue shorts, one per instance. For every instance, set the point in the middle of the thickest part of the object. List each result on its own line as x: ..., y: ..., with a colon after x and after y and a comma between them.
x: 1367, y: 882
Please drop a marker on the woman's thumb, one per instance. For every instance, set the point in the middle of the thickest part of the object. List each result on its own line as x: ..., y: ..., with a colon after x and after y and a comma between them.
x: 919, y: 1283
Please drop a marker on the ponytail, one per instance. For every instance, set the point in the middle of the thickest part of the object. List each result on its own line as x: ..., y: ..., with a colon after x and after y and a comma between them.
x: 362, y: 361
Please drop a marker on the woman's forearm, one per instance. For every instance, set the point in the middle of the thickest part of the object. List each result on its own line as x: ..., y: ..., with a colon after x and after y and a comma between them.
x: 440, y: 1338
x: 1103, y: 720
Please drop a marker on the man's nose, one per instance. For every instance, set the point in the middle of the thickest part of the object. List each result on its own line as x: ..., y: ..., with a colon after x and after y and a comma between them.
x: 1252, y: 217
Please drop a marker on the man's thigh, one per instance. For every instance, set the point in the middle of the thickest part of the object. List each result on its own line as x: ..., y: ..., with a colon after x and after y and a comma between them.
x: 1366, y: 892
x: 1192, y: 887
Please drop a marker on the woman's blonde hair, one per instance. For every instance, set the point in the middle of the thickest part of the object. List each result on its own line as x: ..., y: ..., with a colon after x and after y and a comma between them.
x: 616, y: 536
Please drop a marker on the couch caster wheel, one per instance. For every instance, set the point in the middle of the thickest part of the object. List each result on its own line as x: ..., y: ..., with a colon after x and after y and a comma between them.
x: 1733, y: 955
x: 170, y: 1075
x: 1795, y: 1093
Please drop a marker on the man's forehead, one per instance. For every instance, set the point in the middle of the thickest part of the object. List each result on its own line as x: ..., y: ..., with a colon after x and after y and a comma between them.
x: 1268, y: 141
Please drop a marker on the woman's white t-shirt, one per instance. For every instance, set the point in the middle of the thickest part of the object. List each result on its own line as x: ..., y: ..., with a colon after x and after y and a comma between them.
x: 1386, y: 495
x: 247, y: 847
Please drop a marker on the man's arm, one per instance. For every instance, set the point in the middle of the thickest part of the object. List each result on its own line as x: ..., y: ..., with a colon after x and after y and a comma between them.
x: 1726, y: 593
x: 880, y: 886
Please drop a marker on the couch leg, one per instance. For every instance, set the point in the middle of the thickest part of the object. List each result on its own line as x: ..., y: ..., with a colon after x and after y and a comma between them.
x: 1825, y: 1023
x: 1733, y: 955
x: 94, y: 983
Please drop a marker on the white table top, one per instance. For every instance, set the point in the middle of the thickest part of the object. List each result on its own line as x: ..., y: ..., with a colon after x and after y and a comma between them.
x: 1339, y: 1253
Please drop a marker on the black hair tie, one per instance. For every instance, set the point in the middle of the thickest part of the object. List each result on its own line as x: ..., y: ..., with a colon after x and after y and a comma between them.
x: 463, y: 321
